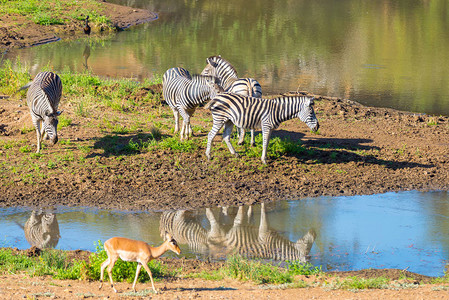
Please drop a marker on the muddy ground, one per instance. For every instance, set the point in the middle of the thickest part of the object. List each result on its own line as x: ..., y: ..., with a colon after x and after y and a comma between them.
x: 359, y: 150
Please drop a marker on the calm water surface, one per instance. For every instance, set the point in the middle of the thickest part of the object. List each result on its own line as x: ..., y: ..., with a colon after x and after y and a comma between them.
x: 393, y: 230
x: 381, y: 53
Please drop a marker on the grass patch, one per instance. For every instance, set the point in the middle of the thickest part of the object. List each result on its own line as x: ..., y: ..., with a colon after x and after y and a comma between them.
x: 54, y: 12
x: 277, y: 147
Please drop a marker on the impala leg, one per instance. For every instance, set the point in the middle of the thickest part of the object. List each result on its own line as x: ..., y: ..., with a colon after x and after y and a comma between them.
x: 111, y: 265
x: 103, y: 266
x: 227, y: 137
x: 139, y: 266
x: 151, y: 276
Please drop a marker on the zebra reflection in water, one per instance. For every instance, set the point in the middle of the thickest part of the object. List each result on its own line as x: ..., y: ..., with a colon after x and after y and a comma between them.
x: 239, y: 237
x: 42, y: 229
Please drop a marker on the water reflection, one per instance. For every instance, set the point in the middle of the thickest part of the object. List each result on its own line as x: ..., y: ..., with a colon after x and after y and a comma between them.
x: 86, y: 54
x: 382, y: 53
x: 42, y: 229
x: 234, y: 233
x: 392, y: 230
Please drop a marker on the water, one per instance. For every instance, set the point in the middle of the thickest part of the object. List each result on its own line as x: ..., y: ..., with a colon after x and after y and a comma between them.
x: 380, y: 53
x: 406, y: 230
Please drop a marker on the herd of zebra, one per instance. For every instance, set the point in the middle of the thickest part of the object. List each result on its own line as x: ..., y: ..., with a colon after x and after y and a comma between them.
x: 233, y: 101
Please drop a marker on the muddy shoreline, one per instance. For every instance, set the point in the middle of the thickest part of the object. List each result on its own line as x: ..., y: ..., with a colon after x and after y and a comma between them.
x: 13, y: 34
x: 360, y: 150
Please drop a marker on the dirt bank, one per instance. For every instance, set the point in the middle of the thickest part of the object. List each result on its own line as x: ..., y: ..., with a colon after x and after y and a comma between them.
x: 17, y: 31
x: 359, y: 150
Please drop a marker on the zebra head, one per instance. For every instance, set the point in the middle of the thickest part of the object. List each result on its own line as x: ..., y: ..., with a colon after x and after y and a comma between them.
x: 307, y: 114
x: 220, y: 67
x: 214, y: 85
x: 50, y: 126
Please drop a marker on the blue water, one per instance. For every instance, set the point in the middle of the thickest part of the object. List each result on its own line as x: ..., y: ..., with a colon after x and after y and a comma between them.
x: 406, y: 230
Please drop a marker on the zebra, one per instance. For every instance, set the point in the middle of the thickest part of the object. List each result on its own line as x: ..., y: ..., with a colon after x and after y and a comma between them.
x: 43, y: 99
x: 184, y: 92
x: 249, y: 112
x: 42, y: 230
x: 220, y: 67
x: 185, y: 229
x: 262, y: 242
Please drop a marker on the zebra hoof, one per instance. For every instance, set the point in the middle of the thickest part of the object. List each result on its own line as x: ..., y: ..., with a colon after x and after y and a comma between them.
x: 240, y: 143
x: 236, y: 155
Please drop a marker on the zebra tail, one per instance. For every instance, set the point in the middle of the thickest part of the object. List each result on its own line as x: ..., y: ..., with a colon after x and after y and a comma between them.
x: 22, y: 88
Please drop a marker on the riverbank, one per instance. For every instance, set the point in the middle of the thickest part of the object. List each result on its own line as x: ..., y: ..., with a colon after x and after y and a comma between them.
x: 65, y: 21
x: 181, y: 278
x: 119, y: 152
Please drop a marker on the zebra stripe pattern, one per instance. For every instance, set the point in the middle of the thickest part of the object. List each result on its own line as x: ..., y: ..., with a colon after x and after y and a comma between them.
x: 43, y: 100
x: 262, y: 242
x: 251, y: 113
x: 42, y: 230
x: 184, y: 92
x: 218, y: 66
x: 185, y: 230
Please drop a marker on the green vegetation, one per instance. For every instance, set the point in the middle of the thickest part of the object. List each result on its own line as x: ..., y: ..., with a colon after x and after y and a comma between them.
x: 52, y: 12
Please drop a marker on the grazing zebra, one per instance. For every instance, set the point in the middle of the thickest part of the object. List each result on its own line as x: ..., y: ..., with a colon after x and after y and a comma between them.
x: 184, y: 92
x: 221, y: 68
x: 42, y: 230
x: 185, y: 229
x: 250, y: 113
x: 43, y: 99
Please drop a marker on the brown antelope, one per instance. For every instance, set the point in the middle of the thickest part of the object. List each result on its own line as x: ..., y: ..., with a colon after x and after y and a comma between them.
x: 132, y: 250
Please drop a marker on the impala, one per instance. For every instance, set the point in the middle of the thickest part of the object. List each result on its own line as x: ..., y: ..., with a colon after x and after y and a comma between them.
x: 132, y: 250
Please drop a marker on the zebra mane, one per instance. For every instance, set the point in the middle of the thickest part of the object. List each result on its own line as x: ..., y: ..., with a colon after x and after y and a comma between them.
x: 199, y: 76
x: 221, y: 61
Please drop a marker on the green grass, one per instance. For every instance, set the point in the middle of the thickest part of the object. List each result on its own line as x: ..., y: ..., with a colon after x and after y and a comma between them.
x: 277, y: 147
x: 54, y: 12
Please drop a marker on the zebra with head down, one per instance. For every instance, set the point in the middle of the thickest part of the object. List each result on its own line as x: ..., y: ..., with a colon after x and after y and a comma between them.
x: 42, y: 229
x: 43, y: 98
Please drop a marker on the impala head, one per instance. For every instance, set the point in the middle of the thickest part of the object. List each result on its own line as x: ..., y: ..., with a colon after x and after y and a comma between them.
x: 172, y: 244
x: 50, y: 125
x: 307, y: 114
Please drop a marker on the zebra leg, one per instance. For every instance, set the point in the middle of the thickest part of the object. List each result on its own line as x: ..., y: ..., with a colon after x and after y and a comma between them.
x: 266, y: 132
x: 190, y: 113
x: 186, y: 123
x: 227, y: 137
x: 253, y: 142
x: 241, y: 136
x: 176, y: 115
x: 210, y: 137
x: 37, y: 125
